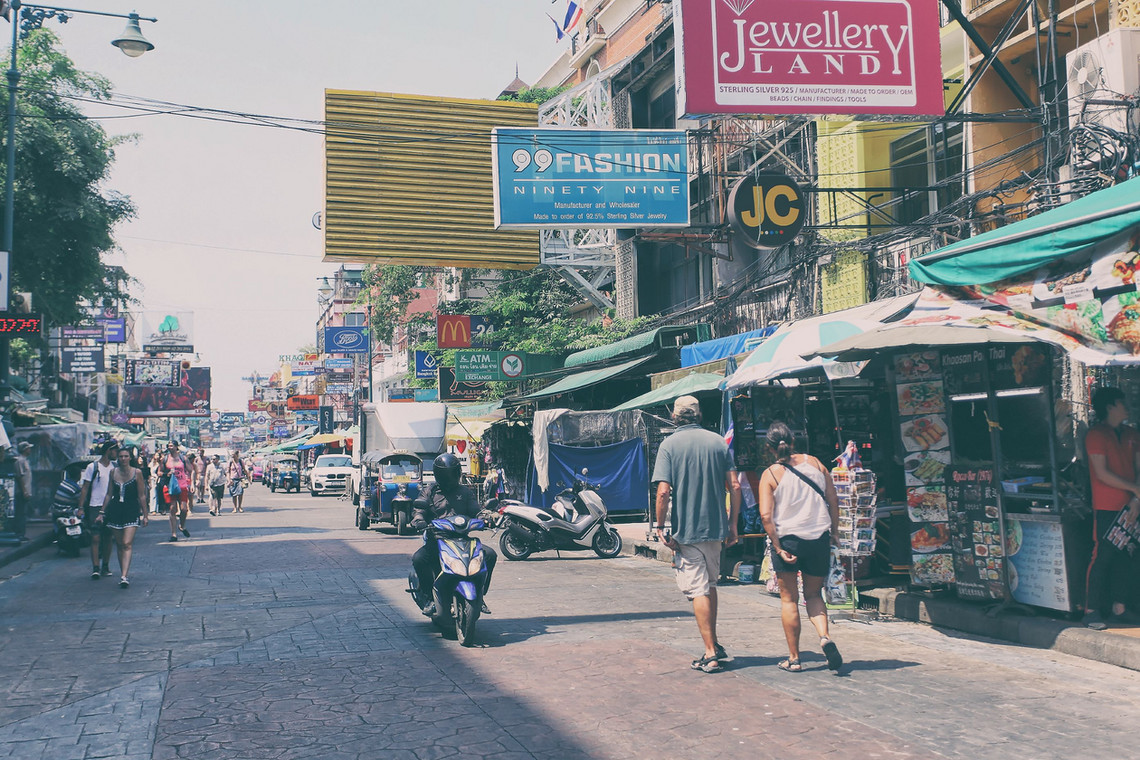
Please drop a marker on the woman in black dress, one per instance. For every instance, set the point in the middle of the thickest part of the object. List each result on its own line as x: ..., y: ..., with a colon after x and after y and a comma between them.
x: 123, y: 510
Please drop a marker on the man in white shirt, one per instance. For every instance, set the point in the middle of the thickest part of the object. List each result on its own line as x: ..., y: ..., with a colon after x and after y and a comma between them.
x: 94, y: 483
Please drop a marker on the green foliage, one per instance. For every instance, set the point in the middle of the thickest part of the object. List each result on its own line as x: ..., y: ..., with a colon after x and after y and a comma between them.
x: 389, y: 290
x: 535, y: 94
x: 64, y: 216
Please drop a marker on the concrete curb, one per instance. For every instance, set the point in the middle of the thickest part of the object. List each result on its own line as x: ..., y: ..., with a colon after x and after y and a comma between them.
x: 31, y: 546
x: 648, y: 549
x: 1040, y: 633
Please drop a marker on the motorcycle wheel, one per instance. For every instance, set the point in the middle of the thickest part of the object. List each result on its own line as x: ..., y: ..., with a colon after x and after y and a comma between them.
x: 607, y: 542
x: 466, y: 614
x: 362, y: 520
x: 513, y: 547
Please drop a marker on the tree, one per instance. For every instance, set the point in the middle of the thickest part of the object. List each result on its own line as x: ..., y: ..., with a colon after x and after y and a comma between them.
x: 63, y: 216
x: 389, y: 290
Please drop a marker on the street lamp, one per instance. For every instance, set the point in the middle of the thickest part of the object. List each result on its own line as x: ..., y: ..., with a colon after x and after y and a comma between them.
x: 325, y: 291
x: 24, y: 18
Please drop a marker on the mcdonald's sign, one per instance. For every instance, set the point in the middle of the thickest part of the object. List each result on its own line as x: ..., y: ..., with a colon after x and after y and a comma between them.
x: 453, y: 331
x: 462, y: 330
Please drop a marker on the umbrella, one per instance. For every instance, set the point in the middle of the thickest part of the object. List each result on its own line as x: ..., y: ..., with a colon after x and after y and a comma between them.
x: 782, y: 354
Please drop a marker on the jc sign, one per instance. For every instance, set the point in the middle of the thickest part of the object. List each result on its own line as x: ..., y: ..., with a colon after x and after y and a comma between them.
x: 767, y: 210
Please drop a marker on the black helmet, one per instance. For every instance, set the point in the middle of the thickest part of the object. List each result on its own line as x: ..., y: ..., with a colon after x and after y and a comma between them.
x: 446, y: 469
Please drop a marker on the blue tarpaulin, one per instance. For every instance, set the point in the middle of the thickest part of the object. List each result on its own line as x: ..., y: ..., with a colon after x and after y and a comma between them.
x: 722, y: 348
x: 618, y: 471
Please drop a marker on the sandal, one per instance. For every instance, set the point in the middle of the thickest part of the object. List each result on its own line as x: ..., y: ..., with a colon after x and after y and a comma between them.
x: 718, y: 650
x: 834, y: 659
x: 707, y: 665
x: 790, y: 665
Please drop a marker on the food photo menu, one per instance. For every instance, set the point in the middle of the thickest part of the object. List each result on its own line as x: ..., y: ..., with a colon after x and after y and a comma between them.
x: 976, y: 532
x: 920, y: 407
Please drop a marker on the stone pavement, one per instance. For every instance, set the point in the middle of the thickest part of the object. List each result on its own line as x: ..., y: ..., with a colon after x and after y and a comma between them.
x: 1120, y: 645
x: 285, y: 632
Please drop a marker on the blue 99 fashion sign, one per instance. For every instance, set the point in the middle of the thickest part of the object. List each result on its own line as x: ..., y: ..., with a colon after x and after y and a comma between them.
x: 346, y: 340
x: 590, y: 178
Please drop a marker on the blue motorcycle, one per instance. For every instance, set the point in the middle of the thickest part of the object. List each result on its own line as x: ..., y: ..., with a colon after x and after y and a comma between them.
x: 458, y: 589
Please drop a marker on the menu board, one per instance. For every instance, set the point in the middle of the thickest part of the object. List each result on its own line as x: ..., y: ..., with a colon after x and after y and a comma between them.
x: 919, y: 407
x: 964, y: 371
x: 1037, y: 571
x: 976, y: 532
x: 1023, y: 366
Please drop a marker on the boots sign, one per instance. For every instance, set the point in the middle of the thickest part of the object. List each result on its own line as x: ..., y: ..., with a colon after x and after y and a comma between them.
x: 808, y: 57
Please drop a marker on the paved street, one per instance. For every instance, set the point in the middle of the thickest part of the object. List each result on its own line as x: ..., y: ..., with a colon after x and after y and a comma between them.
x: 284, y: 632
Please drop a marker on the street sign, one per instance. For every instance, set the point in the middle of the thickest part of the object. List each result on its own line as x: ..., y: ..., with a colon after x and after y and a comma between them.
x: 511, y: 365
x: 477, y: 366
x: 426, y: 366
x: 81, y: 359
x: 342, y: 362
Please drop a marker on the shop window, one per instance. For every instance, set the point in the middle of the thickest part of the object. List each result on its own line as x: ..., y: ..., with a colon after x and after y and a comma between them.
x: 1025, y: 433
x: 971, y: 434
x: 355, y: 319
x: 926, y: 158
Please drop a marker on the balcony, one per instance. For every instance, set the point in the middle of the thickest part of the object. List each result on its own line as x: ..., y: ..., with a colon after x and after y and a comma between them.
x: 588, y: 42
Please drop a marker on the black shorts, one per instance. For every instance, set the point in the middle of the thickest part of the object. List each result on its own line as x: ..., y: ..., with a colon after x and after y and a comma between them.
x: 813, y: 556
x: 218, y: 491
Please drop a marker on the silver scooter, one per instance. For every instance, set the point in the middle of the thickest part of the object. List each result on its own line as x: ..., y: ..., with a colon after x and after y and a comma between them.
x: 578, y: 520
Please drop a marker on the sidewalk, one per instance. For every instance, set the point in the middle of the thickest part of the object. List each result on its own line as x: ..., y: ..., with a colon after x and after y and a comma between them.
x: 1117, y: 646
x: 39, y: 536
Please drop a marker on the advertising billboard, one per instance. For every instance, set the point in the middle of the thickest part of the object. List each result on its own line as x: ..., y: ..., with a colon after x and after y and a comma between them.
x: 591, y: 178
x: 462, y: 330
x: 426, y: 365
x: 84, y: 360
x: 303, y: 401
x: 408, y: 181
x: 190, y: 398
x: 166, y: 332
x: 346, y: 340
x: 860, y: 57
x: 152, y: 372
x: 451, y: 389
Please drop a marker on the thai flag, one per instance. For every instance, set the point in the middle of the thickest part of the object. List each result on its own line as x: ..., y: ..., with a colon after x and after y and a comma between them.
x: 573, y: 14
x: 557, y: 28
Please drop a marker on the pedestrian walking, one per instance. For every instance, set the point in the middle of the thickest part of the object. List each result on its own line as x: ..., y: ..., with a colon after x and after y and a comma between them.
x: 23, y: 486
x: 1114, y: 461
x: 94, y: 484
x: 800, y: 512
x: 216, y: 477
x: 176, y: 484
x: 201, y: 462
x: 237, y: 474
x: 124, y: 508
x: 157, y: 499
x: 694, y: 469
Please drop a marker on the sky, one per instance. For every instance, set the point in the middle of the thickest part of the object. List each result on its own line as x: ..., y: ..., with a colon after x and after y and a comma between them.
x: 224, y: 225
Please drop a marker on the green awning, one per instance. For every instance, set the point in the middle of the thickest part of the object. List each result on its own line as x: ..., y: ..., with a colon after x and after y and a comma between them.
x: 639, y: 344
x: 697, y: 382
x: 586, y: 378
x: 1031, y: 243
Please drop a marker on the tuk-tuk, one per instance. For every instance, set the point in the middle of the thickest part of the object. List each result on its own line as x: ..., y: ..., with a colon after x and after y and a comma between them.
x: 284, y: 473
x: 390, y: 483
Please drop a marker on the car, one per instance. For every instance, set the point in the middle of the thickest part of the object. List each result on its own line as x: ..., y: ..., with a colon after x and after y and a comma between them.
x: 256, y: 472
x: 330, y: 474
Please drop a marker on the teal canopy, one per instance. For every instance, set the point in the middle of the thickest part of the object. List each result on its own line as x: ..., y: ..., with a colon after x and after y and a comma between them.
x: 1031, y: 243
x: 696, y: 382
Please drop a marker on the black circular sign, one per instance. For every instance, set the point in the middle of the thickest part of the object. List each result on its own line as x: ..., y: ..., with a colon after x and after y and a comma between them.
x: 767, y: 210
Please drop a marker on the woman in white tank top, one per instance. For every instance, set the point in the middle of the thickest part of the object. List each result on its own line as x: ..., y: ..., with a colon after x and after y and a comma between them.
x: 800, y: 511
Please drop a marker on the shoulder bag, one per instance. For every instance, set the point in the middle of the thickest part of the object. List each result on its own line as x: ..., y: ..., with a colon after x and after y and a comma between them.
x: 814, y: 486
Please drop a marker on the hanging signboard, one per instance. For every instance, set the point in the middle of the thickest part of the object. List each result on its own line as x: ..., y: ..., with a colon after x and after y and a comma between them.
x: 767, y: 209
x: 303, y: 368
x: 452, y: 389
x: 807, y: 57
x: 81, y: 336
x: 590, y: 178
x: 152, y: 372
x: 167, y: 332
x: 81, y: 359
x: 114, y: 329
x: 303, y: 402
x: 976, y: 528
x: 462, y: 330
x: 426, y: 367
x: 346, y: 340
x: 338, y: 363
x: 191, y: 398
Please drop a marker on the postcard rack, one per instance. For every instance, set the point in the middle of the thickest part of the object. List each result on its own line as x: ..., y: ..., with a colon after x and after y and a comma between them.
x: 856, y: 489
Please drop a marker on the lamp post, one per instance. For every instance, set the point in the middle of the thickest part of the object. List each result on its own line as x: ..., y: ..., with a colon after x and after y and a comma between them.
x: 24, y: 18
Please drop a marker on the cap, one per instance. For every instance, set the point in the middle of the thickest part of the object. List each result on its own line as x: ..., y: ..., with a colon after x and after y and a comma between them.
x: 24, y: 445
x: 686, y: 404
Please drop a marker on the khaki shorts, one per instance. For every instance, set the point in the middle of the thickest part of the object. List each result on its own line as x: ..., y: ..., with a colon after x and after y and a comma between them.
x: 698, y: 567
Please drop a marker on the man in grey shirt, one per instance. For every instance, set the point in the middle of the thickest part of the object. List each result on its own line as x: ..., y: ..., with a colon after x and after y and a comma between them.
x: 695, y: 467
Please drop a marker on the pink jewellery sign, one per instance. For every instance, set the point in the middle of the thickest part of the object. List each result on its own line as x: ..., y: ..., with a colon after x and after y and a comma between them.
x: 808, y: 56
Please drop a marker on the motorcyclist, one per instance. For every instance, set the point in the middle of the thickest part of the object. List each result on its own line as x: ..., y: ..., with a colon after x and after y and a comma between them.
x: 444, y: 498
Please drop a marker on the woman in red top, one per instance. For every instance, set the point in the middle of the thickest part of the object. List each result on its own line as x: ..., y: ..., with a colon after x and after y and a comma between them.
x: 1114, y: 460
x: 175, y: 464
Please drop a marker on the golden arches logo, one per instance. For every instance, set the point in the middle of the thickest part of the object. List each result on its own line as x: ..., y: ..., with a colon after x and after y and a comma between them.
x: 453, y: 331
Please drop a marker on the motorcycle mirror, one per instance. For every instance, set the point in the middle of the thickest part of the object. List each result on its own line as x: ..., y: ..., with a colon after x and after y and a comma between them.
x: 585, y: 471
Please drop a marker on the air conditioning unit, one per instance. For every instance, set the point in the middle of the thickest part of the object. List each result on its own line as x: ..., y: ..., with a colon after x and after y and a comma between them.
x: 1107, y: 68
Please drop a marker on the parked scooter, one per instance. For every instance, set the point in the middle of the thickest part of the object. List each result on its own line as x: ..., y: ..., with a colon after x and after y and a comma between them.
x: 458, y: 589
x: 576, y: 521
x: 70, y: 532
